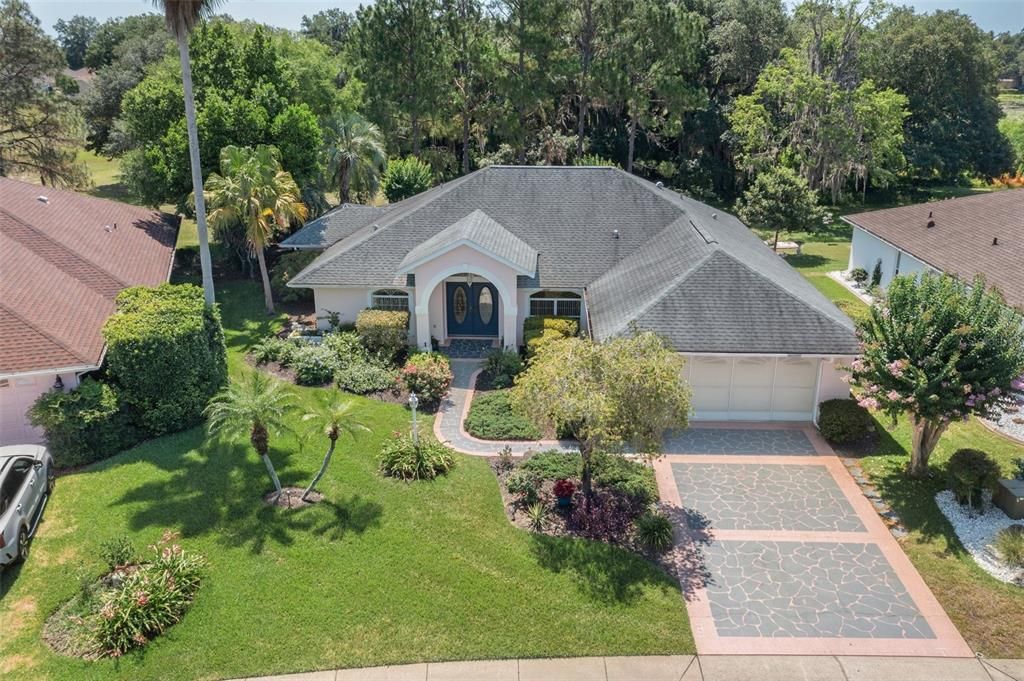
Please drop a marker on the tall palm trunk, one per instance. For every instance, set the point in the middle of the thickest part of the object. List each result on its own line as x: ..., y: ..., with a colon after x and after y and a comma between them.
x: 268, y: 296
x: 632, y: 144
x: 260, y: 440
x: 346, y: 180
x: 323, y: 469
x: 197, y: 169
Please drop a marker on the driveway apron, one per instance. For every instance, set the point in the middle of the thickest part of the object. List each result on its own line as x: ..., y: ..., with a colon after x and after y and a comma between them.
x: 780, y: 553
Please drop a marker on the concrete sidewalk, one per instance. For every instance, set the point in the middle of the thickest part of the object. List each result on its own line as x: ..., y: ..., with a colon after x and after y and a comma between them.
x: 686, y: 668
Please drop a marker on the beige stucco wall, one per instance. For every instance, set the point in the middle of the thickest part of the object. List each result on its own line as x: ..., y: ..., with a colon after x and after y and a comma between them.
x: 15, y: 399
x: 832, y: 385
x: 345, y: 301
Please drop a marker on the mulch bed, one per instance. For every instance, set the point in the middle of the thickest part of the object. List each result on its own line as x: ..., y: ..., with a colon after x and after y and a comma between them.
x: 291, y: 497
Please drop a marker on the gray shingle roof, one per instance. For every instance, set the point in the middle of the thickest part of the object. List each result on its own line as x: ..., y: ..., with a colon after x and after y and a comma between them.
x: 480, y: 231
x: 641, y: 252
x: 334, y: 225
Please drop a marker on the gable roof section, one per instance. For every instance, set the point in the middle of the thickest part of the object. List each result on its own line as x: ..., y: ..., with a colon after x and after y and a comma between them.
x: 635, y: 247
x: 477, y: 230
x: 960, y: 242
x: 62, y: 263
x: 334, y: 225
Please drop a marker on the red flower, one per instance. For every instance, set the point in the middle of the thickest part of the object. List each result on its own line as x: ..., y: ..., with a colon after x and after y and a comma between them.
x: 564, y: 488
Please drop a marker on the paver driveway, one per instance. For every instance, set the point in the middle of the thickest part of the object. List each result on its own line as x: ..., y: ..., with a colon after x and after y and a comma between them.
x: 781, y: 554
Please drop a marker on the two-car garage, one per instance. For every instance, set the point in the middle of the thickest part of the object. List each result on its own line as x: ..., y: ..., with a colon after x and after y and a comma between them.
x: 761, y: 388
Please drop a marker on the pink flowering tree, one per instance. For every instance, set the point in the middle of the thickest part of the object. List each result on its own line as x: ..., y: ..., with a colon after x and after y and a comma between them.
x: 938, y: 350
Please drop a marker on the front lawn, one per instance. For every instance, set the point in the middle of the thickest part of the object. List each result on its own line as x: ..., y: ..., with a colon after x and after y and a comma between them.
x: 380, y: 572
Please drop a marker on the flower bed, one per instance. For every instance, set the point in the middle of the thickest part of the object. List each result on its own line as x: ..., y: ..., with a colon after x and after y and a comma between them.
x: 977, y: 531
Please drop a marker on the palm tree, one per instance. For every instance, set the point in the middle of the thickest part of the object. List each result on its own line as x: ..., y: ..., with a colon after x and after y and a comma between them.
x: 257, y: 404
x: 253, y: 190
x: 332, y: 417
x: 355, y: 154
x: 181, y: 17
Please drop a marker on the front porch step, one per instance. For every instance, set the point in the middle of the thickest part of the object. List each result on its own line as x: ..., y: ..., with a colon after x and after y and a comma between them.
x: 468, y: 348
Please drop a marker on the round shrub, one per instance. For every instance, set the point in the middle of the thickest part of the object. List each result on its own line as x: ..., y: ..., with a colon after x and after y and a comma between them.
x: 405, y: 177
x: 385, y: 333
x: 84, y: 425
x: 503, y: 366
x: 631, y: 480
x: 525, y: 485
x: 272, y: 349
x: 286, y: 267
x: 491, y: 417
x: 429, y: 375
x: 843, y: 420
x: 313, y: 364
x: 1009, y: 545
x: 654, y: 531
x: 859, y: 275
x: 425, y: 460
x: 364, y: 376
x: 553, y: 464
x: 165, y: 350
x: 971, y: 471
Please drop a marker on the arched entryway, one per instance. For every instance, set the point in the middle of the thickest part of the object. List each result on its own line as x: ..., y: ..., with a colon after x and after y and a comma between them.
x: 471, y: 308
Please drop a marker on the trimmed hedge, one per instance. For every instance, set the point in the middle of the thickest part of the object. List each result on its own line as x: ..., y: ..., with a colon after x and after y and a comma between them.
x: 843, y: 420
x: 385, y: 333
x: 539, y: 331
x: 165, y: 350
x: 84, y: 425
x: 491, y: 418
x: 630, y: 479
x: 286, y: 267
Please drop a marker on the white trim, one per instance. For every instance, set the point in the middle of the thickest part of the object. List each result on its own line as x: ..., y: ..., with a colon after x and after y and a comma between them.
x: 409, y: 267
x: 899, y: 249
x: 61, y: 370
x: 817, y: 392
x: 764, y: 354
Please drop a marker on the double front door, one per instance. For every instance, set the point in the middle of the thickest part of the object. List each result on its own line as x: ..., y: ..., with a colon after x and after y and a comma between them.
x: 472, y: 309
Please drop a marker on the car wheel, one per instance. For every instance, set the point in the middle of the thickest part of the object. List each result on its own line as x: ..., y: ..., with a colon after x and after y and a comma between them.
x: 22, y: 545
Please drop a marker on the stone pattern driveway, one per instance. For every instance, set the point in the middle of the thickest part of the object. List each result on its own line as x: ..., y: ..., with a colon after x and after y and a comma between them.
x: 779, y: 553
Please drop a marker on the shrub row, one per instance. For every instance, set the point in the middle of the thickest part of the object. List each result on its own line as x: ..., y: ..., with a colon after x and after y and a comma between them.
x: 385, y: 333
x: 539, y: 331
x: 491, y: 417
x: 618, y: 474
x: 843, y: 420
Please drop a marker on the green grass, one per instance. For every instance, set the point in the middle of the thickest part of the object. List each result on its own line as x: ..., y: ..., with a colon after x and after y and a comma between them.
x: 380, y: 572
x: 989, y: 613
x: 1012, y: 104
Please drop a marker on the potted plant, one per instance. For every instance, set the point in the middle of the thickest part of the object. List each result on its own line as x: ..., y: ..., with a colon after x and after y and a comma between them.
x: 564, y: 490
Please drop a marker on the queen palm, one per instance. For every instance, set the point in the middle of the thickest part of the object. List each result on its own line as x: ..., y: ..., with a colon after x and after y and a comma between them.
x: 256, y: 404
x: 253, y: 190
x: 181, y: 17
x: 332, y: 417
x: 355, y: 154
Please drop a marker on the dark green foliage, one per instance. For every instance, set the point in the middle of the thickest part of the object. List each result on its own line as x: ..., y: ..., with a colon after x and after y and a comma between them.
x: 363, y: 376
x: 385, y: 333
x: 859, y: 275
x: 273, y: 349
x: 553, y: 464
x: 525, y: 485
x: 491, y: 417
x: 296, y: 133
x: 74, y: 35
x: 287, y: 266
x: 780, y: 200
x: 400, y: 458
x: 165, y: 351
x: 84, y: 425
x: 629, y: 479
x: 405, y: 177
x: 502, y: 366
x: 313, y: 364
x: 654, y: 531
x: 843, y: 420
x: 1018, y: 468
x: 876, y: 275
x: 117, y: 552
x: 971, y: 472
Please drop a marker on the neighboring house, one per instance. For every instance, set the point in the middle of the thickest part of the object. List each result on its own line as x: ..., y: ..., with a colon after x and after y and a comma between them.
x: 63, y: 259
x: 476, y: 256
x: 981, y: 234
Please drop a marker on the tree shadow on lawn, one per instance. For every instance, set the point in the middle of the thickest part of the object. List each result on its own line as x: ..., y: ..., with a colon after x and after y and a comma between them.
x: 217, y: 486
x: 805, y: 260
x: 603, y: 572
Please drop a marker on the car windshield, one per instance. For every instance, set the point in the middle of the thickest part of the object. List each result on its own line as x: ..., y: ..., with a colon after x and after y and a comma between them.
x: 13, y: 476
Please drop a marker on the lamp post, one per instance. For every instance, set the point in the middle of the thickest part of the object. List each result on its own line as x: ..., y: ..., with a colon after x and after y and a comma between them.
x: 413, y: 403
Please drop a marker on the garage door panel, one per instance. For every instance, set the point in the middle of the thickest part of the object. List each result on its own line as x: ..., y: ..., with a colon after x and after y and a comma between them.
x: 16, y: 396
x: 753, y: 388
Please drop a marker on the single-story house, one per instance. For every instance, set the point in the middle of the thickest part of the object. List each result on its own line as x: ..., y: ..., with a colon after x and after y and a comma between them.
x: 980, y: 234
x: 473, y: 258
x: 64, y: 257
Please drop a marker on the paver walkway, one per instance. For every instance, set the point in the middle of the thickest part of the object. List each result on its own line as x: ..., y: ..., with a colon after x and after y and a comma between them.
x: 780, y: 553
x: 686, y: 668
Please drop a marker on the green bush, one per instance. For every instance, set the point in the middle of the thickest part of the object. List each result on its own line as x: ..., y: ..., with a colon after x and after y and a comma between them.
x: 148, y: 600
x: 503, y: 366
x: 525, y: 485
x: 405, y: 177
x: 626, y: 477
x: 365, y: 375
x: 1009, y: 545
x: 345, y: 345
x: 400, y: 458
x: 286, y: 267
x: 313, y: 364
x: 540, y: 331
x: 971, y: 471
x: 165, y: 350
x: 654, y: 531
x: 859, y: 275
x: 843, y: 420
x: 429, y: 375
x: 854, y: 309
x: 117, y: 552
x: 491, y: 417
x: 84, y: 425
x: 271, y: 349
x: 553, y: 464
x: 385, y: 333
x: 538, y: 515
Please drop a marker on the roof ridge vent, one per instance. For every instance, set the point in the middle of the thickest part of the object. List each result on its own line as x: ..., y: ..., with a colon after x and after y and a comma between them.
x: 42, y: 198
x: 707, y: 239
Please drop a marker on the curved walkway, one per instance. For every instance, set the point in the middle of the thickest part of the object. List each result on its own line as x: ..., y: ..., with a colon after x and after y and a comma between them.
x: 454, y: 407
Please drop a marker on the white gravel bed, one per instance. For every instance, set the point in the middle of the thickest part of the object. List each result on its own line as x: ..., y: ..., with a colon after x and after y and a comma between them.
x: 1005, y: 422
x: 977, y: 531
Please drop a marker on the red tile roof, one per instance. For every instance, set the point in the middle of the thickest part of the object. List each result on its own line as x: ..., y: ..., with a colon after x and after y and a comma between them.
x: 62, y: 263
x: 960, y: 241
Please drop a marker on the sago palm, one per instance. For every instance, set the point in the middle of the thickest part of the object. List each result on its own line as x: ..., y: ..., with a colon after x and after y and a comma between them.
x: 355, y: 154
x: 256, y: 404
x: 182, y: 16
x: 253, y: 190
x: 332, y: 417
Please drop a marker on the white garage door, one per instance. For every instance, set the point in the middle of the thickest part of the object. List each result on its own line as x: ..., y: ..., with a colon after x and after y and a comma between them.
x: 16, y: 396
x: 752, y: 388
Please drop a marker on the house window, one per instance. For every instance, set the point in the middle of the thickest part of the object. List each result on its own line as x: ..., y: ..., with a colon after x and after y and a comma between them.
x: 556, y: 303
x: 390, y: 299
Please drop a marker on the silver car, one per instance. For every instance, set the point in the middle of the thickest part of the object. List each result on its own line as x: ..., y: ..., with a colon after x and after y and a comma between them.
x: 26, y: 481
